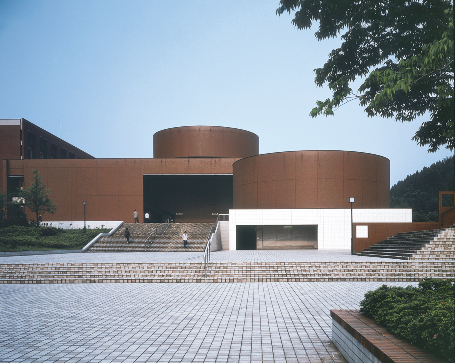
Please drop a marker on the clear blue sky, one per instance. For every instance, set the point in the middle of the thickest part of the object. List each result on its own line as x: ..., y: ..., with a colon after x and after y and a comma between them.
x: 105, y: 75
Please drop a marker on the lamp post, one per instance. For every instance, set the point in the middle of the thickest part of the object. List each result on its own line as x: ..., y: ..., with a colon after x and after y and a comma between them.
x: 84, y: 216
x: 351, y: 200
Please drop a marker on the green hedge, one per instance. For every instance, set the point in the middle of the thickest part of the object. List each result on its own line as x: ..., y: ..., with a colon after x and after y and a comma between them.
x: 422, y: 315
x: 16, y: 238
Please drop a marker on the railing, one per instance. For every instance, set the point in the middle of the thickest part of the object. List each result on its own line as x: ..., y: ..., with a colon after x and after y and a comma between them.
x: 222, y: 217
x: 207, y: 254
x: 157, y: 231
x: 90, y: 244
x: 209, y: 244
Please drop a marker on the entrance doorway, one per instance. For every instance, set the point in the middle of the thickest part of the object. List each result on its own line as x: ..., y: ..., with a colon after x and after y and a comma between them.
x: 187, y: 198
x: 246, y: 237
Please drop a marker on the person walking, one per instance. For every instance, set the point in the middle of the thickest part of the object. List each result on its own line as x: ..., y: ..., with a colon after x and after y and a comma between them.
x: 185, y: 239
x: 127, y: 235
x: 136, y: 216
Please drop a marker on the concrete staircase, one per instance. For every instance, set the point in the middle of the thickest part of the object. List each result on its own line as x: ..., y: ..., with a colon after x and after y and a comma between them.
x: 441, y: 248
x: 168, y: 241
x: 402, y: 245
x: 224, y: 272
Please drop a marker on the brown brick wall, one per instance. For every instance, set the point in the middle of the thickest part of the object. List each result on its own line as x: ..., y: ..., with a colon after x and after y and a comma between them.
x: 112, y: 188
x: 378, y: 232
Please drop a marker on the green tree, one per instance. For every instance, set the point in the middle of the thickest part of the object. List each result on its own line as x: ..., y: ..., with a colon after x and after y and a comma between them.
x: 404, y: 48
x: 37, y: 197
x: 420, y: 191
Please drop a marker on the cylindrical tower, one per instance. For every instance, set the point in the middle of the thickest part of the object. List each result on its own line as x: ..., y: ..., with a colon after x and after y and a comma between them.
x: 204, y: 142
x: 312, y: 179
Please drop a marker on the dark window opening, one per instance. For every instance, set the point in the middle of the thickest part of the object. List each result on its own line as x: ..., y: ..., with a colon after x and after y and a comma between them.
x: 62, y: 153
x: 53, y: 151
x: 31, y: 145
x: 72, y: 155
x: 14, y: 184
x: 42, y: 148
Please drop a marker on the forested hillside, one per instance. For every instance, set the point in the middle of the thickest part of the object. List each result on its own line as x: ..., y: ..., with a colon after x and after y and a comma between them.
x: 419, y: 191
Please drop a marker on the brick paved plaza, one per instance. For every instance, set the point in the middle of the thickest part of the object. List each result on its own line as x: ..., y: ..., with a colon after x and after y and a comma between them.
x: 187, y: 322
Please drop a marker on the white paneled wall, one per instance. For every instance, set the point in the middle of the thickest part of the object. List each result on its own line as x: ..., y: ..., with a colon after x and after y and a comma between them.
x: 334, y: 225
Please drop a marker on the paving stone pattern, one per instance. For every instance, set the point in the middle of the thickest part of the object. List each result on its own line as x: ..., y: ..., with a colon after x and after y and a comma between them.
x: 224, y: 322
x: 168, y: 322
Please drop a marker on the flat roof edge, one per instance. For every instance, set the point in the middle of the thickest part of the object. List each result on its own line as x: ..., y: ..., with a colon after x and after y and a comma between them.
x: 10, y: 122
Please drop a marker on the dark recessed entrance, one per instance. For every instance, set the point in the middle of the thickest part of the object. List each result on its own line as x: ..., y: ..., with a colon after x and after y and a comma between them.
x: 246, y: 237
x: 187, y: 198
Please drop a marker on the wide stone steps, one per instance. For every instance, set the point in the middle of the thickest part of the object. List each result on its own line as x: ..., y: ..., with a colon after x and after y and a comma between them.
x: 189, y: 272
x: 441, y: 248
x: 401, y: 246
x: 168, y: 241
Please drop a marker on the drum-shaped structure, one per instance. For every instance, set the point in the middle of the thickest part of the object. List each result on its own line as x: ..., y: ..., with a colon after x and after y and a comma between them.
x: 312, y: 179
x: 204, y: 142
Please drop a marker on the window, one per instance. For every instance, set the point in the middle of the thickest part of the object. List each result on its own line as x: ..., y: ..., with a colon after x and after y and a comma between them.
x: 42, y: 148
x: 72, y: 156
x: 62, y: 153
x: 361, y: 231
x: 31, y: 145
x: 53, y: 151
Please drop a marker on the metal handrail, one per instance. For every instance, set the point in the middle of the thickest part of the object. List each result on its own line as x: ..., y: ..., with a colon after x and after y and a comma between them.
x: 208, y: 245
x: 93, y: 241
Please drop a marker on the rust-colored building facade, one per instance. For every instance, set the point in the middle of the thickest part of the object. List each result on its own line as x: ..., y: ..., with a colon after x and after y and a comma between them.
x: 23, y: 140
x: 297, y: 199
x: 189, y: 178
x: 196, y: 173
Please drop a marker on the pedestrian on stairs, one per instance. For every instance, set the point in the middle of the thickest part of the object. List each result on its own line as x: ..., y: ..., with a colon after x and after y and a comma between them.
x: 136, y: 216
x: 185, y: 239
x: 127, y: 235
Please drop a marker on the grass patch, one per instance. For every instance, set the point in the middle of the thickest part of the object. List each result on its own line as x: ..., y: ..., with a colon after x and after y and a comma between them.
x: 16, y: 238
x: 422, y: 315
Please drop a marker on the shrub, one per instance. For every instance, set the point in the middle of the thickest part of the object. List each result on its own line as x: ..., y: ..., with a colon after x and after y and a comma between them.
x: 49, y: 231
x: 423, y: 315
x: 16, y: 238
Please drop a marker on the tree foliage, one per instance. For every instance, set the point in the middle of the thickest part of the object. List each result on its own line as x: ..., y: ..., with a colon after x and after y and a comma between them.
x: 404, y: 48
x: 37, y: 197
x: 420, y: 191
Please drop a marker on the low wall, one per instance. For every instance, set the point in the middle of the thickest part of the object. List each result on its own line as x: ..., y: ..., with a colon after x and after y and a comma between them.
x: 378, y: 232
x: 80, y: 224
x: 360, y: 339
